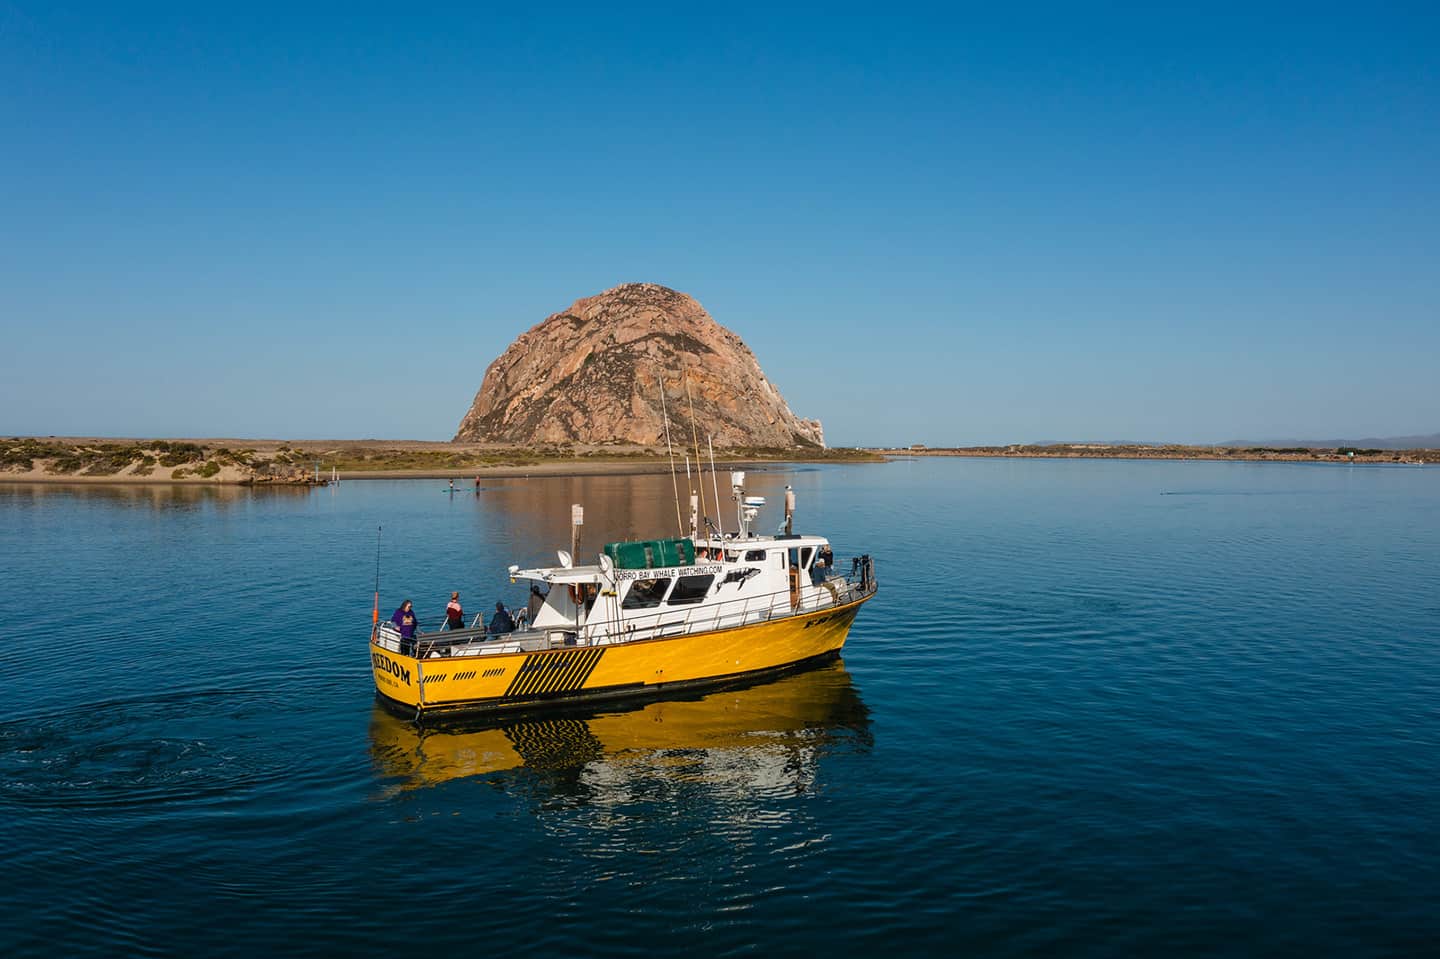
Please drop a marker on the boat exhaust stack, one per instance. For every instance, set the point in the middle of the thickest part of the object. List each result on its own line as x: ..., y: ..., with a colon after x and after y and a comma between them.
x: 789, y: 510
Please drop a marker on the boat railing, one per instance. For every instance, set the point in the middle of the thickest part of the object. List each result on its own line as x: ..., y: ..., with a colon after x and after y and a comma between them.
x: 632, y: 625
x: 477, y: 625
x: 473, y: 641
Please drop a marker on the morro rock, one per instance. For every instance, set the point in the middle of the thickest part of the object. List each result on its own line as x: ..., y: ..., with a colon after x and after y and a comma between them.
x: 593, y: 374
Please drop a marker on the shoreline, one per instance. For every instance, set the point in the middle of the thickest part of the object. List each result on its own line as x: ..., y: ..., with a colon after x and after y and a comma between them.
x: 256, y: 463
x: 1213, y: 454
x: 293, y: 463
x: 464, y: 478
x: 613, y: 468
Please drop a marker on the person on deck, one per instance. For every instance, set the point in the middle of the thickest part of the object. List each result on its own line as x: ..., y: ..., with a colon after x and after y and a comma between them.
x: 501, y: 621
x: 537, y: 600
x: 454, y: 613
x: 817, y: 572
x: 404, y: 620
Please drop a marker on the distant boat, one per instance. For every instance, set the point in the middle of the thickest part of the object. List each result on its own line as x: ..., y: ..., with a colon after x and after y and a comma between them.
x: 649, y: 617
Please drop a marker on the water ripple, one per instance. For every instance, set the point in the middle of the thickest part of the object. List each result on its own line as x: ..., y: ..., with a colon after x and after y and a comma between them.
x: 202, y: 747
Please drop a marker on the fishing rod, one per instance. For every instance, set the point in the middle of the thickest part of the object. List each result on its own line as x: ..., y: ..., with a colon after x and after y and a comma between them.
x: 375, y: 610
x: 695, y: 438
x: 715, y: 484
x: 674, y: 481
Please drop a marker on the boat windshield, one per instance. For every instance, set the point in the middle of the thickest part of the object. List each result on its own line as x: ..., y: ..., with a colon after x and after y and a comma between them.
x: 690, y: 589
x: 645, y: 593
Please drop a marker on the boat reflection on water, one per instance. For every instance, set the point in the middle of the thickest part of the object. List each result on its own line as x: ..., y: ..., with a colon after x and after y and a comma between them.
x: 768, y: 736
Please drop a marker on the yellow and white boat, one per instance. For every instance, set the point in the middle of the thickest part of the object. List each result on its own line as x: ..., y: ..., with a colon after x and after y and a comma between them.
x: 647, y: 618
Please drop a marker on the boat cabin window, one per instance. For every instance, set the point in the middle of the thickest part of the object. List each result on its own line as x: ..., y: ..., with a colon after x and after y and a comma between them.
x: 646, y: 593
x: 755, y: 556
x: 690, y: 589
x: 805, y: 555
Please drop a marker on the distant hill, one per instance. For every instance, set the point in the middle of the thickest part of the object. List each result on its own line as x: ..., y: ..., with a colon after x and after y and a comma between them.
x: 1425, y: 442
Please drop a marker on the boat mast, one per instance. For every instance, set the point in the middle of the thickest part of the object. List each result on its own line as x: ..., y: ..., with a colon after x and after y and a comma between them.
x: 695, y: 438
x: 674, y: 480
x: 694, y: 507
x: 715, y: 485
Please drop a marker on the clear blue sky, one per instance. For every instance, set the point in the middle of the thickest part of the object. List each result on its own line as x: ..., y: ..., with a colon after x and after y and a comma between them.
x: 952, y: 225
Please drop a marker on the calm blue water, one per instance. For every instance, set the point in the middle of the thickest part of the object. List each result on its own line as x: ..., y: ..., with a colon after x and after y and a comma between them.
x: 1097, y: 708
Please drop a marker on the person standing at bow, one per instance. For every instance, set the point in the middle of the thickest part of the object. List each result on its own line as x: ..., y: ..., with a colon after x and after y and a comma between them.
x: 404, y: 620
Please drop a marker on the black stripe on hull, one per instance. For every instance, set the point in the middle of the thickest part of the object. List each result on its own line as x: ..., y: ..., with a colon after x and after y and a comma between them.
x: 633, y: 692
x: 544, y: 673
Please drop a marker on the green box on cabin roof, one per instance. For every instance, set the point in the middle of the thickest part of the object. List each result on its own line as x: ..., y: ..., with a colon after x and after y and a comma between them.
x: 651, y: 553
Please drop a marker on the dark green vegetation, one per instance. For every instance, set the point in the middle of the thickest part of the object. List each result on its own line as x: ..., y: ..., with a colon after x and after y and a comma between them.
x: 363, y: 459
x: 805, y: 453
x: 21, y: 454
x: 1287, y: 449
x: 140, y: 458
x: 97, y: 458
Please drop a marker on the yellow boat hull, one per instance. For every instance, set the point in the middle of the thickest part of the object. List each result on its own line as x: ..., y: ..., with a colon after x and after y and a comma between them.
x: 586, y: 673
x: 775, y: 725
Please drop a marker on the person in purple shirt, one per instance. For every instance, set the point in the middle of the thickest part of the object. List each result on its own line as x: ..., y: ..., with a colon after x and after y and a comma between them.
x: 404, y: 620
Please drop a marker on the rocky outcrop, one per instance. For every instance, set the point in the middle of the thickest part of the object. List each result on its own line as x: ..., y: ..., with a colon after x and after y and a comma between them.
x: 594, y: 373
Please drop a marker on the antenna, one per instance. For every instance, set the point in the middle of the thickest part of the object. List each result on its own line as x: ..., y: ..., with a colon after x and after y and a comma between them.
x: 674, y: 481
x: 695, y: 437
